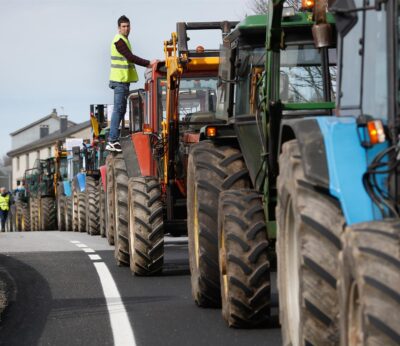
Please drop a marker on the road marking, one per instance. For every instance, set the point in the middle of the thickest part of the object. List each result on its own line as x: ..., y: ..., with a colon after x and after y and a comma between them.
x: 81, y: 245
x: 94, y: 257
x: 88, y: 250
x: 120, y: 324
x: 75, y: 241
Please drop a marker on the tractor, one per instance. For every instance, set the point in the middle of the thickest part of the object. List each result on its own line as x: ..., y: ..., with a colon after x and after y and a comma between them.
x: 232, y: 171
x: 338, y: 193
x: 40, y: 192
x: 82, y: 188
x: 146, y: 183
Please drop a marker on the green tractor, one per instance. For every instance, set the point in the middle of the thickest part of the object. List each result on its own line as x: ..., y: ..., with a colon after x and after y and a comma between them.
x: 39, y: 184
x: 232, y: 172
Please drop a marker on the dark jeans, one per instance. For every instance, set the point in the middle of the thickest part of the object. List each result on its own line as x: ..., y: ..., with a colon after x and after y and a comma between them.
x: 121, y: 91
x: 3, y: 218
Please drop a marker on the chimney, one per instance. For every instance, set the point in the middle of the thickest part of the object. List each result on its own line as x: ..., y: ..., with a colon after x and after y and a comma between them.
x: 44, y: 131
x: 54, y: 111
x: 63, y: 123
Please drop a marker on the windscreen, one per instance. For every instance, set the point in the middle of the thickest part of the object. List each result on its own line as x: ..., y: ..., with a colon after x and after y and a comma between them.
x: 195, y: 95
x: 302, y: 75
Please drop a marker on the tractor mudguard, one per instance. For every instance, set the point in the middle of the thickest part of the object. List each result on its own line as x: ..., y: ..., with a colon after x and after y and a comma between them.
x: 103, y: 174
x: 67, y: 188
x: 138, y: 155
x: 335, y: 161
x: 81, y: 178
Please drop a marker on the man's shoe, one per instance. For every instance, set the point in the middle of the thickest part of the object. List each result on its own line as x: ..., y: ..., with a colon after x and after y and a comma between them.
x: 114, y: 146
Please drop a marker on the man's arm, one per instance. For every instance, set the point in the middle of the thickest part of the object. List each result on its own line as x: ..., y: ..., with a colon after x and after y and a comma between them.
x: 123, y: 49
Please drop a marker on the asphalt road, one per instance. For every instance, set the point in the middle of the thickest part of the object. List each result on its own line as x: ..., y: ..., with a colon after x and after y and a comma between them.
x: 64, y: 294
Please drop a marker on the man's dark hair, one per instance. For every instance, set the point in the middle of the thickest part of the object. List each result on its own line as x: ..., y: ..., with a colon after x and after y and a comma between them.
x: 123, y: 19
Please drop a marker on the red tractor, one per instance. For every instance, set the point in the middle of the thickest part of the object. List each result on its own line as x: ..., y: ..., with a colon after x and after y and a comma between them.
x: 146, y: 183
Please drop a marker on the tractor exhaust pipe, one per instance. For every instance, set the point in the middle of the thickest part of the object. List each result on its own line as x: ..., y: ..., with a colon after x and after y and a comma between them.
x: 321, y: 30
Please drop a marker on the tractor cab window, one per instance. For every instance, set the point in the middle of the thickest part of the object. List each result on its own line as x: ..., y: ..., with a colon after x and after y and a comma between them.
x: 249, y: 68
x: 197, y: 94
x: 375, y: 81
x: 301, y: 74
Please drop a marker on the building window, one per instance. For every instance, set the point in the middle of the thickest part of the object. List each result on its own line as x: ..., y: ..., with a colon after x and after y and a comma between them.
x: 17, y: 163
x: 38, y: 154
x: 27, y: 161
x: 49, y: 152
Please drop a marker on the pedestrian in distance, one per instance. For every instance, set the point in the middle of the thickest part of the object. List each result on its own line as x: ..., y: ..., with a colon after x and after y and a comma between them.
x: 123, y: 72
x: 5, y: 202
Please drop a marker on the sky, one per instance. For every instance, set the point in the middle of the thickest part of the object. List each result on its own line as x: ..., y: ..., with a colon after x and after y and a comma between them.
x: 55, y: 53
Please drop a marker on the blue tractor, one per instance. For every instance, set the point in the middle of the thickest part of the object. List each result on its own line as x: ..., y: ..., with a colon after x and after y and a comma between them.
x: 338, y: 229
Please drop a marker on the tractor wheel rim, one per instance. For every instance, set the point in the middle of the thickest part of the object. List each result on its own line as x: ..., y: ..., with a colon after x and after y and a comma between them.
x: 292, y: 275
x: 355, y: 336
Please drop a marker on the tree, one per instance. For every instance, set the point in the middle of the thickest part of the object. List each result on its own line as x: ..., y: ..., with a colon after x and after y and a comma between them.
x: 261, y: 6
x: 5, y: 161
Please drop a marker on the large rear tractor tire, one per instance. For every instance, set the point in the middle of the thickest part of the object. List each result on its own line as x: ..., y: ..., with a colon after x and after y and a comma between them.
x: 61, y: 205
x: 211, y: 170
x: 26, y: 217
x: 121, y: 240
x: 18, y: 216
x: 310, y: 224
x: 369, y: 286
x: 243, y: 259
x: 48, y: 214
x: 33, y: 213
x: 146, y: 226
x: 92, y: 196
x: 110, y: 200
x: 102, y: 209
x: 75, y: 207
x: 82, y: 206
x: 68, y: 213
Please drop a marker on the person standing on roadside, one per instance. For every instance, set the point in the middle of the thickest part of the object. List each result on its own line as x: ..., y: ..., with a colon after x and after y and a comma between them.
x: 123, y: 72
x: 5, y: 201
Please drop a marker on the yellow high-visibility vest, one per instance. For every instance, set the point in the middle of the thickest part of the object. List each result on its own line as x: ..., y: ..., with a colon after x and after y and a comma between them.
x: 121, y: 69
x: 5, y: 202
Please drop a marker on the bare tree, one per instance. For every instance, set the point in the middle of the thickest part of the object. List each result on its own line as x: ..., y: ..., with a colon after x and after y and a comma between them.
x: 5, y: 161
x: 261, y: 6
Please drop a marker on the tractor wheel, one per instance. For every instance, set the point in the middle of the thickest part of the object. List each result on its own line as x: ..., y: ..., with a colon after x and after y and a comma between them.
x: 61, y: 205
x: 110, y: 200
x: 18, y: 216
x: 26, y: 217
x: 75, y: 207
x: 34, y: 215
x: 68, y: 213
x: 82, y: 212
x: 146, y: 226
x: 121, y: 241
x: 102, y: 209
x: 310, y: 224
x: 92, y: 198
x: 48, y: 214
x: 369, y: 285
x: 243, y: 259
x: 211, y: 170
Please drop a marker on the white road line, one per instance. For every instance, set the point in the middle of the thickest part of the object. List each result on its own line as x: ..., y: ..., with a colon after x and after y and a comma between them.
x: 120, y: 325
x: 94, y: 257
x: 88, y: 250
x: 75, y: 241
x: 81, y: 245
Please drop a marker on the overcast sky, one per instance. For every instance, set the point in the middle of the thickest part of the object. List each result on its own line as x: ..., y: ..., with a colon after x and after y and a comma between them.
x: 55, y: 53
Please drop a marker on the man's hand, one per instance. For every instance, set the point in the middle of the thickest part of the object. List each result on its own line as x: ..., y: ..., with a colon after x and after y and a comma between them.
x: 152, y: 62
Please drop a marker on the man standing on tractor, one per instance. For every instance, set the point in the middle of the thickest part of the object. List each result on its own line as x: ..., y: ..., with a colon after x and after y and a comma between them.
x: 123, y: 72
x: 5, y: 201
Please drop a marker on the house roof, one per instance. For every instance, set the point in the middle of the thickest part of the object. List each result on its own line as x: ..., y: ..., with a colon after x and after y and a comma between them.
x: 52, y: 138
x: 37, y: 122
